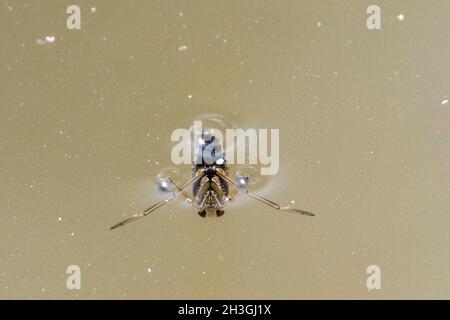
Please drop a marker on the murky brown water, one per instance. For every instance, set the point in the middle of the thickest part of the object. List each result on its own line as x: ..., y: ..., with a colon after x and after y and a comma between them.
x: 86, y: 119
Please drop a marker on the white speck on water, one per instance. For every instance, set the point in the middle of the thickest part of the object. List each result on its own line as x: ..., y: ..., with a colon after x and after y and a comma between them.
x: 401, y: 17
x: 319, y: 24
x: 203, y: 272
x: 93, y: 9
x: 182, y: 48
x: 46, y: 40
x: 445, y: 101
x: 189, y: 96
x: 149, y: 270
x: 164, y: 184
x: 293, y: 201
x: 60, y: 218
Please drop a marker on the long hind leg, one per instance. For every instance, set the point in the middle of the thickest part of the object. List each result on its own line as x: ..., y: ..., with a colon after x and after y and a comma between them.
x: 199, y: 175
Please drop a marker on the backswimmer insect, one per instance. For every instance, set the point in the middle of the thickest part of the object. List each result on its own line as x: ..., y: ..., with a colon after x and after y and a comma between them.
x: 212, y: 188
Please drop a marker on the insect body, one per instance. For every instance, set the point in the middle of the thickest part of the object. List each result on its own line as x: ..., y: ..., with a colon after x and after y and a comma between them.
x: 210, y: 185
x: 211, y: 192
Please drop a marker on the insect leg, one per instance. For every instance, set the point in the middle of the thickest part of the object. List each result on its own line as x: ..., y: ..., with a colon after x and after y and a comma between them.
x: 264, y: 200
x: 186, y: 195
x: 219, y: 204
x: 231, y: 195
x: 159, y: 204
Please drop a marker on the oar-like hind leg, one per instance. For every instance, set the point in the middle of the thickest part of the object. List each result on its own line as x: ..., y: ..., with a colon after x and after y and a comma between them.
x: 161, y: 203
x: 268, y: 202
